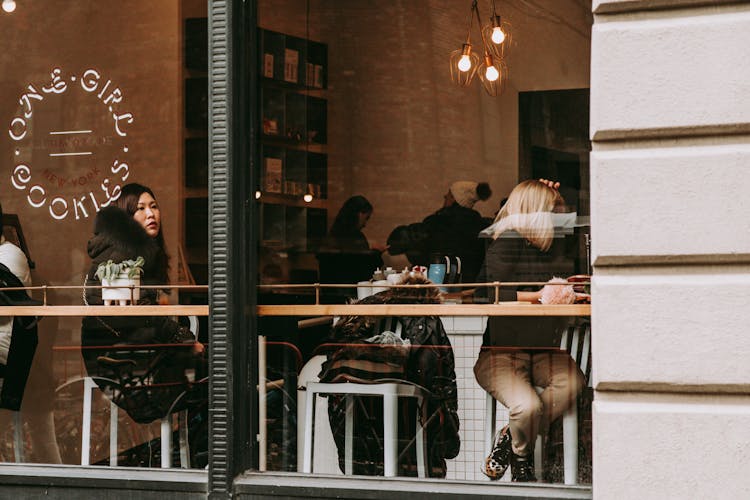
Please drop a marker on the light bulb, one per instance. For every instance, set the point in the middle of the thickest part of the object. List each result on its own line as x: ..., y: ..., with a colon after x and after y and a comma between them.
x: 492, y: 73
x: 9, y: 6
x: 308, y: 198
x: 257, y: 195
x: 498, y: 35
x: 464, y: 64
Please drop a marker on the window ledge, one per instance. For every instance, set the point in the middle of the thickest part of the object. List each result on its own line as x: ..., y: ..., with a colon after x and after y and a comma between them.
x: 100, y: 482
x: 291, y: 485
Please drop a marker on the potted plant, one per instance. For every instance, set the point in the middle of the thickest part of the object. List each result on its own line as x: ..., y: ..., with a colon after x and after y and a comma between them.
x: 121, y: 281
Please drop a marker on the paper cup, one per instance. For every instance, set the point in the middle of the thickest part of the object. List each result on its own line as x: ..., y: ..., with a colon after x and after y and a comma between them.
x: 363, y: 289
x: 379, y: 286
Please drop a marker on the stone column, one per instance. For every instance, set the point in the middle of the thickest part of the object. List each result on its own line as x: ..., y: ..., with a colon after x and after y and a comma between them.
x: 670, y: 124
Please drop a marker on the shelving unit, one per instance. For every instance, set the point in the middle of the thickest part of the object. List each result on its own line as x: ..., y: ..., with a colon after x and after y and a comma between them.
x: 194, y: 189
x: 293, y: 138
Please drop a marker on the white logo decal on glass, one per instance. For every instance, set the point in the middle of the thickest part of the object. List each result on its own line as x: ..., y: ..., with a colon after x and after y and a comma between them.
x: 76, y: 142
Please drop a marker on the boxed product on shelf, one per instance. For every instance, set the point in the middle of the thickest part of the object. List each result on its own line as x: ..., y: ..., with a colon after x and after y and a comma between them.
x: 291, y: 65
x: 272, y: 175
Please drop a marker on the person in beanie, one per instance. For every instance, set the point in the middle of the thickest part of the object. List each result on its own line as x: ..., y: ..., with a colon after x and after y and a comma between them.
x: 454, y: 229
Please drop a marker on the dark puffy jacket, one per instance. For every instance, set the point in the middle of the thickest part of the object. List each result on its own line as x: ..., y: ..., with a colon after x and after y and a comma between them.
x: 429, y: 364
x: 145, y: 382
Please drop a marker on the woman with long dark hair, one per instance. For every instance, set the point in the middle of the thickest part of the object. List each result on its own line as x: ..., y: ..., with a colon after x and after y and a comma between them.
x: 151, y: 385
x: 346, y: 231
x: 140, y: 203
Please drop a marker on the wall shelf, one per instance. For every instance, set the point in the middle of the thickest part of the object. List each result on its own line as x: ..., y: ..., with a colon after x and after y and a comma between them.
x: 293, y: 137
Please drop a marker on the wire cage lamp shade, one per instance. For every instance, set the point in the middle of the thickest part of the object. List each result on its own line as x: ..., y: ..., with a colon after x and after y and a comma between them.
x: 491, y: 67
x: 493, y: 73
x: 464, y: 64
x: 497, y: 34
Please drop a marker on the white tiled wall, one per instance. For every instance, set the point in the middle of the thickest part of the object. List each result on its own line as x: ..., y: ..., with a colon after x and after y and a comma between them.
x: 466, y: 337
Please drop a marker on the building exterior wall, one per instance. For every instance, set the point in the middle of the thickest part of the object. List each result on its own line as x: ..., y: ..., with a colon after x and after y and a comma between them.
x: 669, y: 122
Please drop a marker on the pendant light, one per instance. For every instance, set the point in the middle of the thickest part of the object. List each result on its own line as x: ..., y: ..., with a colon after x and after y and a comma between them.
x: 496, y: 33
x: 493, y: 74
x: 9, y: 6
x: 492, y: 69
x: 463, y: 61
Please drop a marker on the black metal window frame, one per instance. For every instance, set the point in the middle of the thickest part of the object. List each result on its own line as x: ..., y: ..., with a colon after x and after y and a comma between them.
x: 233, y: 114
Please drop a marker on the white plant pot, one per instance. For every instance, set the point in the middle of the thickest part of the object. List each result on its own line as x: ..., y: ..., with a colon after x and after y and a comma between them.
x: 127, y: 291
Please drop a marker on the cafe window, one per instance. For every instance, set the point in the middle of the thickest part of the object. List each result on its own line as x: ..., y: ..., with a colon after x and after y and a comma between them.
x: 104, y: 113
x: 400, y: 268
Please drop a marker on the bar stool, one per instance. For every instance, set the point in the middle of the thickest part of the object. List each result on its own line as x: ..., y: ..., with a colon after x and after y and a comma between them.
x: 572, y: 337
x: 89, y: 385
x: 390, y: 393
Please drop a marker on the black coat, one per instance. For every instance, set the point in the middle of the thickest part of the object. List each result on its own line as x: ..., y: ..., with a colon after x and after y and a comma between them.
x: 131, y: 376
x: 23, y: 342
x: 454, y: 230
x: 510, y: 258
x: 117, y: 237
x: 429, y: 364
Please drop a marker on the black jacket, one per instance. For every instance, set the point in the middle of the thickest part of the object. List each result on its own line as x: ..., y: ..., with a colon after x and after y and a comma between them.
x: 131, y: 376
x: 454, y: 230
x: 510, y: 258
x: 117, y: 237
x: 429, y: 364
x: 23, y: 342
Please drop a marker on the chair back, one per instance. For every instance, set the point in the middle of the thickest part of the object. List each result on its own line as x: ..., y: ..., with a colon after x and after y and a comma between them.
x: 577, y: 341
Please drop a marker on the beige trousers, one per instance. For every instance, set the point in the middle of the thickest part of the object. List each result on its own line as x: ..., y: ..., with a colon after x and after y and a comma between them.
x: 511, y: 377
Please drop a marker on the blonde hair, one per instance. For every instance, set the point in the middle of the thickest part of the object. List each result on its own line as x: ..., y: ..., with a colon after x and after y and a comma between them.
x: 528, y: 211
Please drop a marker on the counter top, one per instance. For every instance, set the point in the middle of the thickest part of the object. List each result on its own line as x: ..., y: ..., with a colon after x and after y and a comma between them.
x: 501, y: 309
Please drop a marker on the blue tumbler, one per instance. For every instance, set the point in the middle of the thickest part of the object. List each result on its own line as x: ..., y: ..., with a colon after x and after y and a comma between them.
x: 436, y: 271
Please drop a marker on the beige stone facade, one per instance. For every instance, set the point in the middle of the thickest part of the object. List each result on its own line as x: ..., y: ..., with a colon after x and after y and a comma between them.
x: 671, y: 245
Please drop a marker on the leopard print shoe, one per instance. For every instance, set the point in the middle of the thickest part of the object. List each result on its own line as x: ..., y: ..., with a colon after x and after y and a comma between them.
x: 497, y: 462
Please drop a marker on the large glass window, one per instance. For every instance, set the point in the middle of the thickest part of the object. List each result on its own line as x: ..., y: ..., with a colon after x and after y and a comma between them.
x: 104, y: 160
x: 377, y: 177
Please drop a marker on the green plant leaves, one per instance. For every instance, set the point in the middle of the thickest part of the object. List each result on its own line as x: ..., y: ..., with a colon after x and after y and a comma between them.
x: 110, y: 270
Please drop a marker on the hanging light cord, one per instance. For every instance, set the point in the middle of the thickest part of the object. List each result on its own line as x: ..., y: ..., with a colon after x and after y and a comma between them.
x: 471, y: 20
x: 479, y: 23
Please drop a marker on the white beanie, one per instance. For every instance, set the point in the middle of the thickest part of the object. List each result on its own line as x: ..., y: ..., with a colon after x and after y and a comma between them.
x: 465, y: 192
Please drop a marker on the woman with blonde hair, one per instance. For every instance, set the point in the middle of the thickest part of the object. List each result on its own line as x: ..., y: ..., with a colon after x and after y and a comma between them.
x: 520, y: 353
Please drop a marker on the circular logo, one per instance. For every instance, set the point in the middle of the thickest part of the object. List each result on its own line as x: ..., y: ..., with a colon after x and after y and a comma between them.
x: 70, y: 146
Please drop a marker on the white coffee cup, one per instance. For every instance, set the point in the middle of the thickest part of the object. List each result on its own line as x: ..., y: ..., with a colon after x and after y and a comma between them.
x: 364, y: 289
x: 379, y: 286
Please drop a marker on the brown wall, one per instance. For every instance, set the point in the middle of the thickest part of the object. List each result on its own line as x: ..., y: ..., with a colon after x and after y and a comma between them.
x: 398, y: 131
x: 136, y: 45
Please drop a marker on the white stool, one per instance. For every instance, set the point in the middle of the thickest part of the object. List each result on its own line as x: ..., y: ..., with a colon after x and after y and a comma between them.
x: 569, y: 342
x: 165, y: 425
x: 390, y: 393
x: 89, y: 385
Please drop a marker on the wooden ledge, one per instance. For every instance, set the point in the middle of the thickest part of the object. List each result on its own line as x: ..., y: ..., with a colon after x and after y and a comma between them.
x: 501, y: 309
x: 168, y: 310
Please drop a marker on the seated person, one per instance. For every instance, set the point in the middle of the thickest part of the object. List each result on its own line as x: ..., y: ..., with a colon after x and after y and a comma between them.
x: 144, y: 383
x: 26, y: 381
x: 406, y: 247
x: 454, y: 229
x: 519, y: 353
x: 423, y: 356
x: 347, y: 257
x: 346, y: 231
